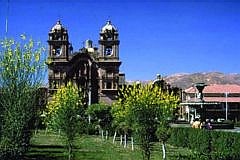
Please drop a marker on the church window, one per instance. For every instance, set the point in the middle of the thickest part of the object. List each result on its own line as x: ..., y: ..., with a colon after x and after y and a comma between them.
x: 109, y: 74
x: 108, y: 51
x: 109, y: 85
x: 57, y: 51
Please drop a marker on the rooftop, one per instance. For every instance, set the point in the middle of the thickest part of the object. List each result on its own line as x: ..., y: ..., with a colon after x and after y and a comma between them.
x: 58, y: 26
x: 217, y: 88
x: 108, y: 27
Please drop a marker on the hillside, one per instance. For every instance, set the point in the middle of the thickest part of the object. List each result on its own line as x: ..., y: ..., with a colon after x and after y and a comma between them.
x: 186, y: 80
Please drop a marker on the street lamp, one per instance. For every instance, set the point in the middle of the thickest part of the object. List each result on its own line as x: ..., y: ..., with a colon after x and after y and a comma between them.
x: 200, y: 87
x: 226, y: 95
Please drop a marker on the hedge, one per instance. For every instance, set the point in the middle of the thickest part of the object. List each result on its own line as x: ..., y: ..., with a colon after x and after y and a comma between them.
x: 205, y: 144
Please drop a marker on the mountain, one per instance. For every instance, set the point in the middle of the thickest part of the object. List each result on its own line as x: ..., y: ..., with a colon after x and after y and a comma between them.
x: 186, y: 80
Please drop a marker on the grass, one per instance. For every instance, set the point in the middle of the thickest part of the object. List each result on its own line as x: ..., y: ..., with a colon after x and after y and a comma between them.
x: 50, y: 146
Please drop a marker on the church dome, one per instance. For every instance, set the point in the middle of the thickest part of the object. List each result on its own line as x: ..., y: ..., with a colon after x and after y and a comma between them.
x: 58, y: 26
x: 108, y: 27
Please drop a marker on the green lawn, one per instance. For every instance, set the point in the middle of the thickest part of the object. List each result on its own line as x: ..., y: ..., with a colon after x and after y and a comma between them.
x: 50, y: 147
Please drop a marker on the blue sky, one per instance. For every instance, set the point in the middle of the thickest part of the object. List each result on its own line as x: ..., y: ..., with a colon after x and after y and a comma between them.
x: 164, y: 37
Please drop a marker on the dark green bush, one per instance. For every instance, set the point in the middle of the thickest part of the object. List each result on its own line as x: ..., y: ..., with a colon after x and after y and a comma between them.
x: 179, y: 137
x: 223, y: 125
x: 91, y: 129
x: 237, y: 124
x: 215, y: 145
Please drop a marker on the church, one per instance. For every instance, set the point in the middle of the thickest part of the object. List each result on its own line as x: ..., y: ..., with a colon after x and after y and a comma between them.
x: 95, y: 70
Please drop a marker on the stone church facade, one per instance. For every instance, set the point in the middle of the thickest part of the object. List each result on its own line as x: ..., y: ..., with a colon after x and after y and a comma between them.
x: 94, y: 70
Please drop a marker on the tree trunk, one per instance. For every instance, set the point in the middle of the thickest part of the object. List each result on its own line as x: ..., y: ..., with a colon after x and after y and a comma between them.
x: 70, y: 152
x: 146, y: 155
x: 132, y: 143
x: 114, y: 137
x: 106, y: 136
x: 102, y: 134
x: 89, y: 119
x: 59, y: 132
x: 36, y: 131
x: 46, y: 130
x: 164, y: 150
x: 125, y: 140
x: 120, y: 139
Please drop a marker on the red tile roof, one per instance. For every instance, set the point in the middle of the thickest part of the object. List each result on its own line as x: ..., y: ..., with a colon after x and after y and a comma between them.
x: 216, y: 99
x: 222, y: 99
x: 217, y: 88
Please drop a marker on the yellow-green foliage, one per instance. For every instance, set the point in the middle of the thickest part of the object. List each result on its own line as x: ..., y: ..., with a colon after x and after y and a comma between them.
x: 21, y: 74
x: 143, y: 108
x: 21, y: 61
x: 65, y: 112
x: 144, y: 97
x: 65, y: 107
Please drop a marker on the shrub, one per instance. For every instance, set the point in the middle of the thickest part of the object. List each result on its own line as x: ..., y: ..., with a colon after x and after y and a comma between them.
x: 206, y: 144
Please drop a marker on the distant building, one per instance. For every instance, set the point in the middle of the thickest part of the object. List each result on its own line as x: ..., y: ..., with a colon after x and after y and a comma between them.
x: 94, y: 70
x: 220, y: 102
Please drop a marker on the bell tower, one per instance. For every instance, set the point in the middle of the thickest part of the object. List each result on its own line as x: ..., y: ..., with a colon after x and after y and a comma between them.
x: 58, y: 56
x: 109, y: 43
x: 108, y: 61
x: 58, y: 43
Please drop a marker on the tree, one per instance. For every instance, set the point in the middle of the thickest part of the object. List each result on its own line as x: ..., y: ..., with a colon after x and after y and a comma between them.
x: 102, y: 115
x: 145, y: 107
x: 21, y: 74
x: 120, y: 123
x: 66, y: 112
x: 163, y: 134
